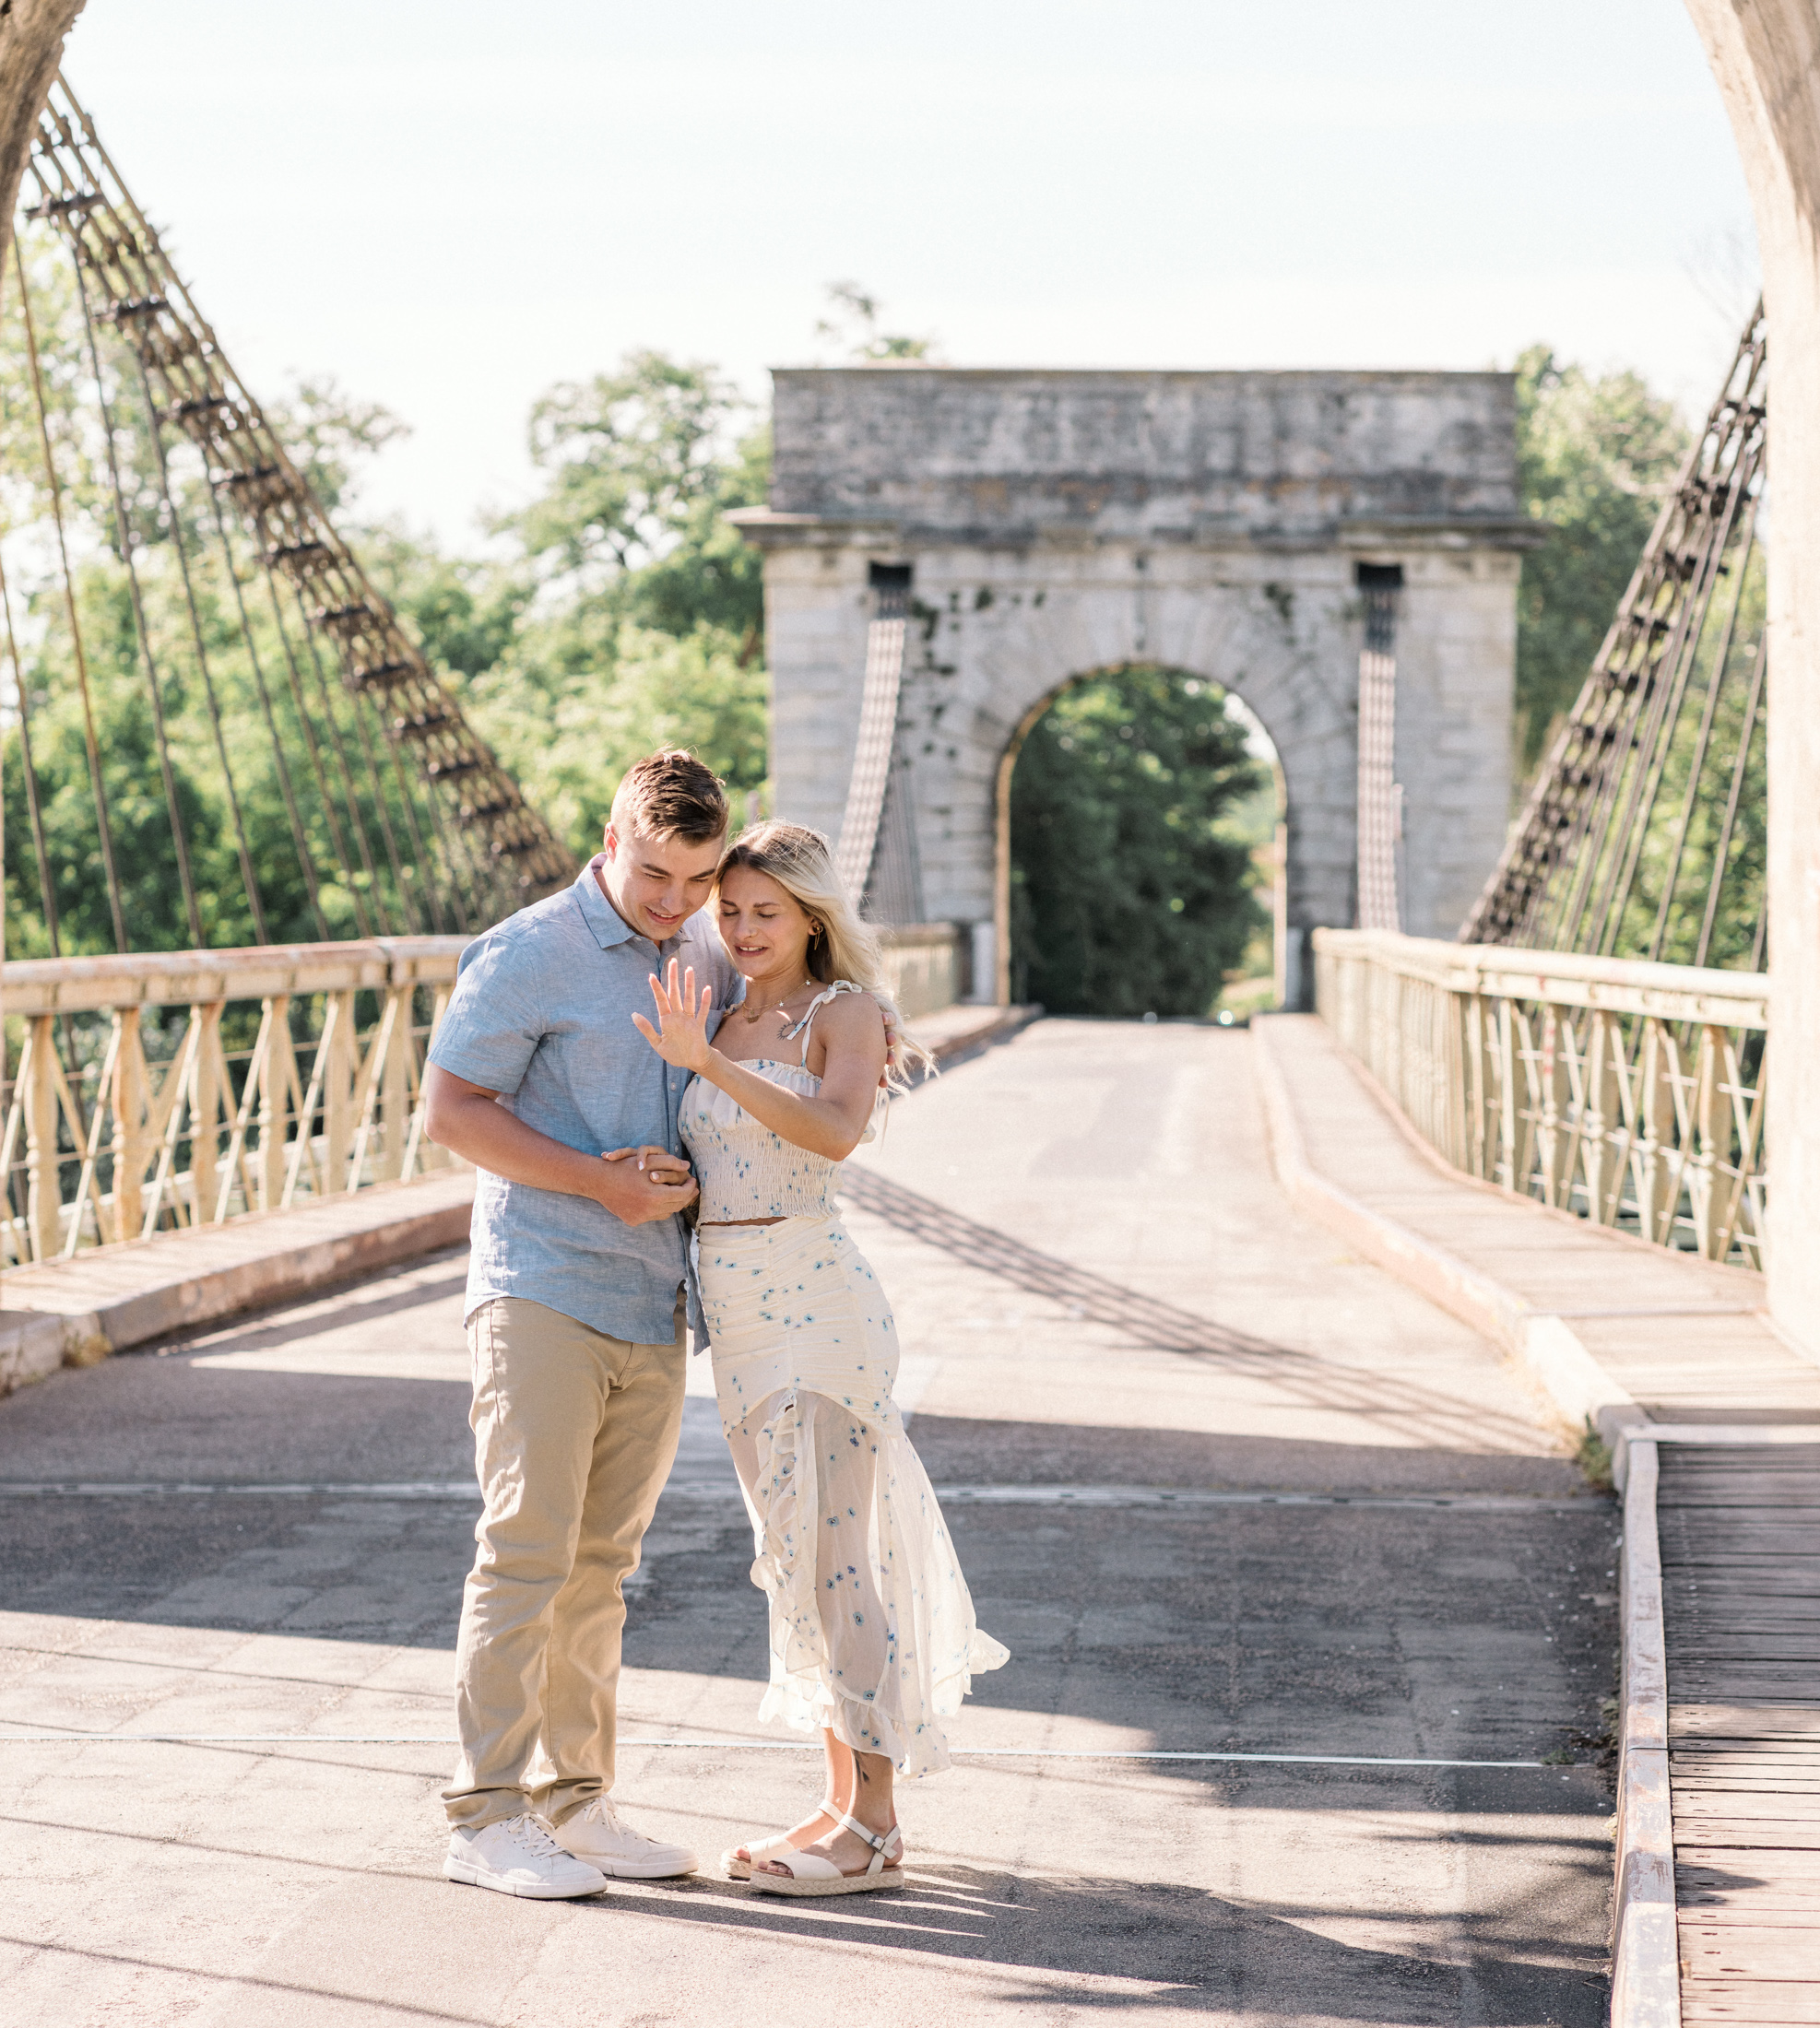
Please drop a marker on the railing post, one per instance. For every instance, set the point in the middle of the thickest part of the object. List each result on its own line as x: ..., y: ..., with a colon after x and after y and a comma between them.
x: 38, y: 1084
x: 1659, y: 1181
x: 395, y: 1090
x: 1598, y: 1107
x: 338, y: 1118
x: 134, y: 1146
x: 277, y: 1073
x: 1710, y: 1117
x: 206, y: 1113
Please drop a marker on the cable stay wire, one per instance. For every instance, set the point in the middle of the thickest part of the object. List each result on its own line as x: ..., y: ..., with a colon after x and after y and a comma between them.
x: 103, y: 824
x: 155, y: 690
x: 174, y: 525
x: 399, y: 817
x: 1641, y: 836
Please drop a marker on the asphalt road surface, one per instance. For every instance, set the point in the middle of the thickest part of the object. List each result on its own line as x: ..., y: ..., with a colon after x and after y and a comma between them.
x: 1227, y: 1494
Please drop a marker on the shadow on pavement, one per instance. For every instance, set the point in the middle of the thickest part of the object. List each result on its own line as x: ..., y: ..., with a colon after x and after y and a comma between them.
x: 1412, y: 1413
x: 1189, y: 1950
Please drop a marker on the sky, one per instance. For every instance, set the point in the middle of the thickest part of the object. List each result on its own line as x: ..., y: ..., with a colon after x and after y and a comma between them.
x: 450, y: 207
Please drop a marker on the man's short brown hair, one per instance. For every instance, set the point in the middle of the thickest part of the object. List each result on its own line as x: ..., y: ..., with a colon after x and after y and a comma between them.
x: 670, y: 795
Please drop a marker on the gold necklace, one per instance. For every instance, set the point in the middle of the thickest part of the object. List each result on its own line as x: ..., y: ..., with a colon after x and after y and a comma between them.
x: 758, y: 1014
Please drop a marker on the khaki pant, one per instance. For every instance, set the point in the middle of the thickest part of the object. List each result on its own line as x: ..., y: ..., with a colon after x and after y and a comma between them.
x: 575, y: 1434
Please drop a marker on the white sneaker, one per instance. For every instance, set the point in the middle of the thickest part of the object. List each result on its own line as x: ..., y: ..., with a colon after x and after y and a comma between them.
x: 519, y: 1857
x: 601, y: 1836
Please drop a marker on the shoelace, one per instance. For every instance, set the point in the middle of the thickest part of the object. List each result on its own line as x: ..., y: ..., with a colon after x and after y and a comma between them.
x: 530, y: 1837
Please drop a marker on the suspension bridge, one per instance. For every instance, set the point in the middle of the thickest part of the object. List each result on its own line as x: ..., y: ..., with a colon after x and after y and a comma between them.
x: 1510, y: 1174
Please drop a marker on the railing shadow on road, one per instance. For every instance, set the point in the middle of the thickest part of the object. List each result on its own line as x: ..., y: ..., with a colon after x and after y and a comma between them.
x: 1144, y: 1323
x: 1172, y: 1948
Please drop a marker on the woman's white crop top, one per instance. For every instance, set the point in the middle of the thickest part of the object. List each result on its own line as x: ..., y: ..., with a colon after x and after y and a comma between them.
x: 745, y: 1169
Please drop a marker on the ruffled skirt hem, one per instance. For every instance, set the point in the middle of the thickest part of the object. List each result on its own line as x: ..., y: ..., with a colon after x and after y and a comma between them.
x: 872, y: 1630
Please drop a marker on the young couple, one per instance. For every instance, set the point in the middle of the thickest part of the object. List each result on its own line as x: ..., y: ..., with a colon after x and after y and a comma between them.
x: 586, y: 1038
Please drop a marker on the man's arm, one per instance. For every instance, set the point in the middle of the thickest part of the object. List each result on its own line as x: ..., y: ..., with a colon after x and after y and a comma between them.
x: 466, y: 1119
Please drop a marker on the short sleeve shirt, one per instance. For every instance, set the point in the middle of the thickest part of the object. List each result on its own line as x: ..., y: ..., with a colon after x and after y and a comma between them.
x: 541, y: 1013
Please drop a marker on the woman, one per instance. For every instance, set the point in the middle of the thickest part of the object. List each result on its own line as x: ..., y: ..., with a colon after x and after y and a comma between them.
x: 872, y: 1634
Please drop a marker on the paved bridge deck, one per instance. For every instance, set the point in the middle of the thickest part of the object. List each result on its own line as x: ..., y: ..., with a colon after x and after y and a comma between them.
x: 1224, y: 1488
x: 1739, y: 1526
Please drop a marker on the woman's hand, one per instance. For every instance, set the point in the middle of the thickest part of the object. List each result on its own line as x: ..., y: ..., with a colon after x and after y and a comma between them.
x: 658, y: 1164
x: 681, y: 1034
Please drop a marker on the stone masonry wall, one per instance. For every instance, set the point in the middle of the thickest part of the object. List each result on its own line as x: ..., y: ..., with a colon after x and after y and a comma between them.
x: 1058, y: 524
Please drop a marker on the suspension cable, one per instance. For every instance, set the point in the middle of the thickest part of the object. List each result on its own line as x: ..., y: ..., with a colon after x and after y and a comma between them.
x: 307, y: 724
x: 326, y: 692
x: 420, y: 894
x: 401, y: 887
x: 1720, y: 665
x: 305, y: 856
x: 430, y: 885
x: 174, y: 520
x: 105, y: 826
x: 1722, y: 850
x: 46, y: 887
x: 124, y: 536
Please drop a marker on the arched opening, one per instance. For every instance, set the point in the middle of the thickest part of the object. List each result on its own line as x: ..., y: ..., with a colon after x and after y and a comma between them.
x: 1141, y: 850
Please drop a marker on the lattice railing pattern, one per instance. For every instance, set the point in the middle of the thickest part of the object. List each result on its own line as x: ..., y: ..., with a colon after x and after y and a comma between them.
x: 1628, y: 1092
x: 211, y: 1083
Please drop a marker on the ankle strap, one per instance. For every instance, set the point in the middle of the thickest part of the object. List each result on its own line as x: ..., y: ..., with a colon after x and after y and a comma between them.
x: 880, y: 1846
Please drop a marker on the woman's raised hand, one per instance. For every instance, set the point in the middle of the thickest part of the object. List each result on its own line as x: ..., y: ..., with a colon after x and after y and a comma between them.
x: 681, y: 1034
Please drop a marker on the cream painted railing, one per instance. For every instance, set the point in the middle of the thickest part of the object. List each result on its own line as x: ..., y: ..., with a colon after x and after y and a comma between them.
x: 150, y: 1092
x: 1630, y: 1093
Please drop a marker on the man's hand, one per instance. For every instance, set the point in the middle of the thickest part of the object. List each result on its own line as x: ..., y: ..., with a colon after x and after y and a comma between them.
x: 465, y: 1119
x: 658, y: 1187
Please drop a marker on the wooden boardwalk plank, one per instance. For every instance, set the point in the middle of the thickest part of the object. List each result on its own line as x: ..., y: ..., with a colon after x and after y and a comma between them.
x: 1740, y: 1536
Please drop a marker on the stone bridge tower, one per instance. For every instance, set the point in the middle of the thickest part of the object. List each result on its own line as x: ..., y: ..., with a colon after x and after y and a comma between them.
x: 1055, y: 523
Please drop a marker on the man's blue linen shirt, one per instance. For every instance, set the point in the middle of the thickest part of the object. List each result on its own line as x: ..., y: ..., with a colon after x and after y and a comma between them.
x: 541, y: 1013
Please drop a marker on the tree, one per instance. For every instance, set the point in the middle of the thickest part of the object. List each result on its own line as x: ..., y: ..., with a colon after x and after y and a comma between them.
x: 1130, y: 894
x: 852, y: 324
x: 1594, y: 456
x: 632, y: 614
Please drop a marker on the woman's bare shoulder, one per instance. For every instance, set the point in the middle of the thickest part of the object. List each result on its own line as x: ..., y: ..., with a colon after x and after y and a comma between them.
x: 853, y: 1016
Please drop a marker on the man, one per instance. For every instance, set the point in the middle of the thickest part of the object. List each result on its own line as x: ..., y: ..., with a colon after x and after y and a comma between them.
x: 577, y: 1292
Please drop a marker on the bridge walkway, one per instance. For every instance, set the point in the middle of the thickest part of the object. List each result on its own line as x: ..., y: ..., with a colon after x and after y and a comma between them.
x: 1224, y: 1488
x: 1684, y: 1344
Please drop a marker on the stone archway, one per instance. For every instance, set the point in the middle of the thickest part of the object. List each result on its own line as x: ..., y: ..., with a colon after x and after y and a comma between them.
x: 1004, y: 936
x: 1055, y: 522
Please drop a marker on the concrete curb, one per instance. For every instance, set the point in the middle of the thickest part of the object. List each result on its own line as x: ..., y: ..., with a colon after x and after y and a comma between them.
x: 948, y: 1040
x: 1646, y: 1959
x: 178, y: 1281
x: 1580, y: 1388
x: 1646, y: 1954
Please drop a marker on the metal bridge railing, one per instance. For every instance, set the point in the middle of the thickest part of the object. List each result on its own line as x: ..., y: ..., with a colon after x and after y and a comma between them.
x: 148, y: 1094
x: 157, y: 1091
x: 1630, y: 1093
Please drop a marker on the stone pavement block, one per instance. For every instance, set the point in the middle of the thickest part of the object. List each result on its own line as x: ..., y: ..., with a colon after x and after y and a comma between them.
x: 297, y: 1881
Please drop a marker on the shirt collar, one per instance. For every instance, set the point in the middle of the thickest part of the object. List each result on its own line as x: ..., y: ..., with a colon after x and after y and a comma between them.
x: 609, y: 926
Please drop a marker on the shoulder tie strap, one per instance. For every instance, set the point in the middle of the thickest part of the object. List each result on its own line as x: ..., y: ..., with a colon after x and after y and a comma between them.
x: 815, y: 1005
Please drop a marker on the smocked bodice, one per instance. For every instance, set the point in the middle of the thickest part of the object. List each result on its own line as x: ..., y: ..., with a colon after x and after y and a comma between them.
x: 745, y: 1169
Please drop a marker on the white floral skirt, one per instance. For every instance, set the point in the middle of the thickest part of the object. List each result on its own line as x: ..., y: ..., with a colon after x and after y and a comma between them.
x: 872, y: 1630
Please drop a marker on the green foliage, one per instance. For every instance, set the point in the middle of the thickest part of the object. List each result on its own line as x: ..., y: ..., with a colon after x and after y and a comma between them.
x: 632, y: 615
x: 1678, y: 849
x: 619, y: 610
x: 569, y: 731
x: 852, y: 324
x: 1130, y: 892
x: 1594, y: 456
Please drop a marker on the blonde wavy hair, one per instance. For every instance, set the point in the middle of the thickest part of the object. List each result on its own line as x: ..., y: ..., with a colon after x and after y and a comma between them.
x: 841, y: 945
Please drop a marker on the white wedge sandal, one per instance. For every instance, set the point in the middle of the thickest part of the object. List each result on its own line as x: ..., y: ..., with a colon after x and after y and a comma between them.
x: 774, y: 1847
x: 813, y: 1875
